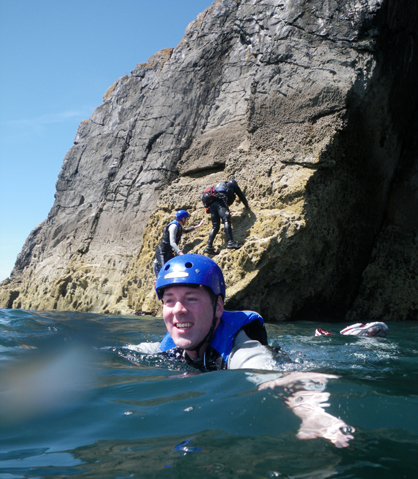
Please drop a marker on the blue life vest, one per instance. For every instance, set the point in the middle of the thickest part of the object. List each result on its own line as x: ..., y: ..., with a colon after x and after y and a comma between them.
x: 223, y: 339
x: 165, y: 240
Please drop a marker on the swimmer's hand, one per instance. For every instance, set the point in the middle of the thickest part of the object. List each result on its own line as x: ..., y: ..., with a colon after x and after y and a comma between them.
x: 308, y: 401
x: 316, y: 422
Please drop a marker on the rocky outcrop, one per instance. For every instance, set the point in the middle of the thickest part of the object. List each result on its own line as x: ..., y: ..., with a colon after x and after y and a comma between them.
x: 310, y: 105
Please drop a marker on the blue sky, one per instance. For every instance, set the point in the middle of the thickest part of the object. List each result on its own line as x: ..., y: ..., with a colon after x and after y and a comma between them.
x: 57, y: 60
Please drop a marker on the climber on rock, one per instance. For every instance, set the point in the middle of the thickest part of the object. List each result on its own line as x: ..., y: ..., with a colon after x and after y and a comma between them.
x: 217, y: 200
x: 168, y: 246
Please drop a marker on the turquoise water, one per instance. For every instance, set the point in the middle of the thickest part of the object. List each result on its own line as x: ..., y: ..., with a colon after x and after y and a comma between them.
x: 75, y: 400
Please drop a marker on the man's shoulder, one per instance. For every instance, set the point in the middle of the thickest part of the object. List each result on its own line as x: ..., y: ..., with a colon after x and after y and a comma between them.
x: 248, y: 321
x: 233, y: 316
x: 248, y: 353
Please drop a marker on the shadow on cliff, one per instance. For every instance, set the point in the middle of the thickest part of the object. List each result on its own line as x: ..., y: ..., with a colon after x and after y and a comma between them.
x: 330, y: 270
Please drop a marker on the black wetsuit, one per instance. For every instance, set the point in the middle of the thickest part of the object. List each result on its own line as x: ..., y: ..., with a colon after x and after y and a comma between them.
x: 219, y: 209
x: 164, y: 250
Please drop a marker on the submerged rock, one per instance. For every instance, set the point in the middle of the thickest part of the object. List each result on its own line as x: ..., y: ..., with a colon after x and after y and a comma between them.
x: 310, y: 105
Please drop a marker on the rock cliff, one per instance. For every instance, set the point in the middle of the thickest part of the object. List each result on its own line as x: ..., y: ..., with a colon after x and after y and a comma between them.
x: 311, y: 105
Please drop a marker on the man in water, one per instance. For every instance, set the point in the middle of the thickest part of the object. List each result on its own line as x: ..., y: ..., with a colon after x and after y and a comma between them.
x: 168, y: 246
x: 219, y: 210
x: 202, y: 334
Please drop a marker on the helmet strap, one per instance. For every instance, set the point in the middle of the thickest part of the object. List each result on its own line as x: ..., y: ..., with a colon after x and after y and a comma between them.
x: 208, y: 337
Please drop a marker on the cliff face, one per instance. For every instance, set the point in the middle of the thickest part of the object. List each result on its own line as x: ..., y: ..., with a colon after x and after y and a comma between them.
x: 310, y: 105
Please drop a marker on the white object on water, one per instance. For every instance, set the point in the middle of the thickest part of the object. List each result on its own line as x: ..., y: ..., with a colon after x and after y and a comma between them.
x: 322, y: 332
x: 375, y: 329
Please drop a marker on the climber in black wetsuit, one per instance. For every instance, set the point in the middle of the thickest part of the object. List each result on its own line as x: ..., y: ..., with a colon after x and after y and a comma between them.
x: 219, y: 210
x: 168, y: 246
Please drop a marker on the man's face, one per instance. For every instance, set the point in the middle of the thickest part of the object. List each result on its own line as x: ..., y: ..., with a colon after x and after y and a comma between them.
x: 188, y: 314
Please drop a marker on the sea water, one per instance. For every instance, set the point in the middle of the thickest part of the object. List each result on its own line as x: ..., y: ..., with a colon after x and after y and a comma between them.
x: 77, y: 400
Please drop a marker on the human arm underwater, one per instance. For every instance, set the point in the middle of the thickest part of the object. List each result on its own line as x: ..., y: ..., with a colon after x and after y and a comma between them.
x: 305, y: 391
x: 307, y: 400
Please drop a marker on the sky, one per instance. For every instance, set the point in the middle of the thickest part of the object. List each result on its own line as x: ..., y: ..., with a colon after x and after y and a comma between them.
x: 57, y: 60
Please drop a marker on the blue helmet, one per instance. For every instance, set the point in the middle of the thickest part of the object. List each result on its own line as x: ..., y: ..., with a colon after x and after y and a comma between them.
x: 191, y: 269
x: 182, y: 214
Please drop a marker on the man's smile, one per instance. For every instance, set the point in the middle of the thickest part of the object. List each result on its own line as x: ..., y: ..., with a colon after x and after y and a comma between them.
x: 183, y: 325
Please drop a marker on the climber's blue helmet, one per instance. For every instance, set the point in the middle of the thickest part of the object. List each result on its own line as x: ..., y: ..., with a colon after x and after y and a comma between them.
x: 190, y: 269
x: 182, y: 214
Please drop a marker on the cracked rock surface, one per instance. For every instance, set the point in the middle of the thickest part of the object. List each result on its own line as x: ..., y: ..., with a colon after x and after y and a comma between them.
x: 311, y: 105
